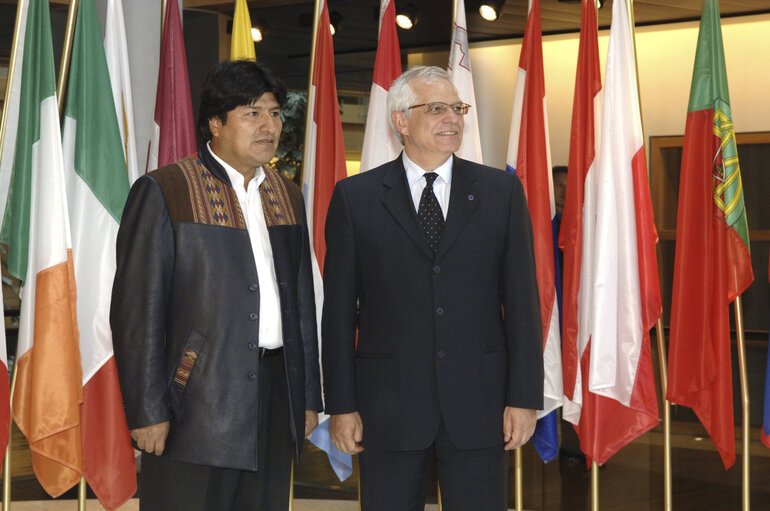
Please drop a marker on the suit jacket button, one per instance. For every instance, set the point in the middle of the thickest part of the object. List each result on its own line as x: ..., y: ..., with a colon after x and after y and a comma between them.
x: 253, y: 287
x: 440, y: 354
x: 437, y: 269
x: 253, y: 316
x: 439, y: 311
x: 252, y: 375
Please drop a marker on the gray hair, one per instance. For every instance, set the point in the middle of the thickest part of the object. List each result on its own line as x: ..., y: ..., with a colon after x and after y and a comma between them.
x: 401, y: 94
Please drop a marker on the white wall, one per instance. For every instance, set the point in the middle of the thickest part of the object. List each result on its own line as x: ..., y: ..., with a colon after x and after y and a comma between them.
x: 665, y: 58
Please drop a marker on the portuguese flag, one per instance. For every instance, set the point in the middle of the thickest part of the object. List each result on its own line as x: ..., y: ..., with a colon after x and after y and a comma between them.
x: 713, y: 263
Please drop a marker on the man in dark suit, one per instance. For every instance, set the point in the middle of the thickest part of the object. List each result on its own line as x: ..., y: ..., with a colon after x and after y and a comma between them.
x: 430, y: 260
x: 213, y: 313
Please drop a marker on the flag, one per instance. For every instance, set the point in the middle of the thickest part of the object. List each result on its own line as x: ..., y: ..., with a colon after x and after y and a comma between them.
x: 97, y: 187
x: 380, y: 143
x: 765, y: 433
x: 324, y: 146
x: 529, y: 158
x: 242, y: 44
x: 712, y: 264
x: 621, y: 291
x: 116, y: 50
x: 460, y: 71
x: 48, y: 392
x: 173, y: 132
x: 324, y: 165
x: 584, y: 144
x: 7, y: 151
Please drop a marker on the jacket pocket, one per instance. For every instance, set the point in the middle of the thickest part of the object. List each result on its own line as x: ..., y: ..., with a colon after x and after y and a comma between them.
x: 189, y: 359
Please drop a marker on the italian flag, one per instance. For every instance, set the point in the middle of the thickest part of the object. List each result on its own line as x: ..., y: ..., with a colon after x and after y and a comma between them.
x: 97, y: 187
x: 380, y: 143
x: 48, y: 393
x: 712, y: 264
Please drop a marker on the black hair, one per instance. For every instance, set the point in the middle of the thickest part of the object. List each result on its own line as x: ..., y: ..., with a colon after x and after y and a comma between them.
x: 232, y: 84
x: 559, y: 168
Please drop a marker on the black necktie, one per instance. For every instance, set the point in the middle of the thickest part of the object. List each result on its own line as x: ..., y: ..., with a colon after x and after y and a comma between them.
x: 429, y: 214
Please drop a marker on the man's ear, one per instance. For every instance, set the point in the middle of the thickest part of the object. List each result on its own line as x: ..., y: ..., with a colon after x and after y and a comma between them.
x: 214, y: 124
x: 401, y: 122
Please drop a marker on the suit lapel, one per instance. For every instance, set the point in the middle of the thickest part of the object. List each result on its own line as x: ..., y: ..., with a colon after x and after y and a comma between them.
x: 398, y: 201
x: 464, y: 196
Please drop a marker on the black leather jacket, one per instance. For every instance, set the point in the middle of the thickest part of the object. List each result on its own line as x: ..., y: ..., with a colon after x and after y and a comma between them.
x: 185, y: 311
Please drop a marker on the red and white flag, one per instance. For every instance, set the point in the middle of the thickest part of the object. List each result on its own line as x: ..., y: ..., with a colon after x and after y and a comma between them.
x: 529, y: 157
x: 621, y: 291
x: 584, y: 148
x: 173, y: 131
x: 460, y: 70
x: 380, y: 143
x: 324, y: 146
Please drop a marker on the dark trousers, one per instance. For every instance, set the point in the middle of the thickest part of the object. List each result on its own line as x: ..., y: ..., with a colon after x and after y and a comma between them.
x: 168, y: 485
x: 470, y: 479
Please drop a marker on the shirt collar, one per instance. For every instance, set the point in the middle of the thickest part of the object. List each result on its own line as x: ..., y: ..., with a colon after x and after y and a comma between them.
x: 414, y: 172
x: 236, y: 178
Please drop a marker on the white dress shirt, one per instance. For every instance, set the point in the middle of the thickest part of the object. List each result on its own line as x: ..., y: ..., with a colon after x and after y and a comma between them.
x: 441, y: 186
x: 270, y: 328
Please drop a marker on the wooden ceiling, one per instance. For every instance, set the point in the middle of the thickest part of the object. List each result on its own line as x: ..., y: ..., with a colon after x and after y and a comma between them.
x: 286, y: 46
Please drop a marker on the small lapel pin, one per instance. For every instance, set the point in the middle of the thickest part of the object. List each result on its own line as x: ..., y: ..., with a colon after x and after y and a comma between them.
x: 470, y: 197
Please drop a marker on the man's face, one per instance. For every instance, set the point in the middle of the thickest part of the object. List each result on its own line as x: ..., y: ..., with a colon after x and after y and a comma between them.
x: 430, y: 139
x: 250, y: 136
x: 559, y: 190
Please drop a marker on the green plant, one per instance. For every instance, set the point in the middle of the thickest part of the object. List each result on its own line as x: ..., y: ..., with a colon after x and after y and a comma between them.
x: 288, y: 158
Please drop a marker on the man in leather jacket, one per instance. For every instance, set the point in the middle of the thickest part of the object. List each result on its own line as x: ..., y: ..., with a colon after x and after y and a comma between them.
x: 213, y: 312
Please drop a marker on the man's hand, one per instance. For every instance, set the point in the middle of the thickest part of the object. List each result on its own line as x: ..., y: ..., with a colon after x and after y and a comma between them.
x: 347, y: 432
x: 518, y: 426
x: 311, y: 421
x: 151, y: 439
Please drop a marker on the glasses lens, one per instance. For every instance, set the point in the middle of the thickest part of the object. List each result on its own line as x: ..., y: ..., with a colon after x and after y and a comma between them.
x: 436, y: 108
x: 460, y: 108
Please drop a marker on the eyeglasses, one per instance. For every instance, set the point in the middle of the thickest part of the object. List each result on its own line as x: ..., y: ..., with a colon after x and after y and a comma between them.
x: 439, y: 108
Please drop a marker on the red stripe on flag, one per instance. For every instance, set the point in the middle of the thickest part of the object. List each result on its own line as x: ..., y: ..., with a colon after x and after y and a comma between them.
x: 588, y: 84
x: 700, y: 371
x: 173, y: 102
x: 387, y: 63
x: 330, y: 150
x: 108, y: 458
x: 532, y: 163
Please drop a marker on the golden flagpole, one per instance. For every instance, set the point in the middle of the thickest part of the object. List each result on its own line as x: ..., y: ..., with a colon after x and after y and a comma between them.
x: 61, y: 90
x: 517, y: 480
x: 7, y: 465
x: 746, y: 480
x: 291, y: 488
x: 64, y: 67
x: 309, y: 109
x: 667, y: 472
x: 594, y: 486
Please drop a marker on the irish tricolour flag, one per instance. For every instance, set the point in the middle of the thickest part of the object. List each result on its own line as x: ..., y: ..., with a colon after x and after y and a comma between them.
x: 49, y: 388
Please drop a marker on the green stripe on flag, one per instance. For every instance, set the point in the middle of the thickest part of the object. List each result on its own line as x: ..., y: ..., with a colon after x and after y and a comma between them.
x: 38, y: 82
x: 99, y: 158
x: 709, y: 78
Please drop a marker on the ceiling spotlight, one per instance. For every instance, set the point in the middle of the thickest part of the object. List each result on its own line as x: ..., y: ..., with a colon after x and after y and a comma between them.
x: 406, y: 17
x: 491, y: 10
x: 258, y: 30
x: 335, y: 18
